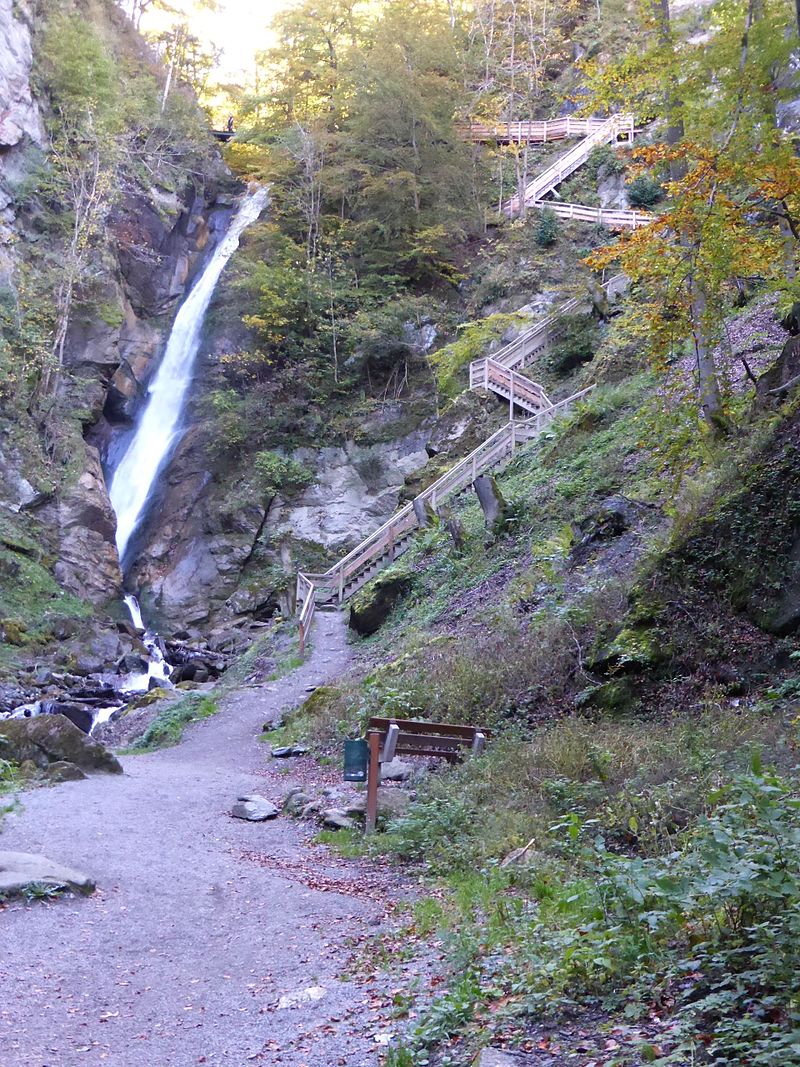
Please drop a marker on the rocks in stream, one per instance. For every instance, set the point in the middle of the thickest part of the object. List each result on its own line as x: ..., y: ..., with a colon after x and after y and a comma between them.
x: 47, y: 739
x: 191, y: 664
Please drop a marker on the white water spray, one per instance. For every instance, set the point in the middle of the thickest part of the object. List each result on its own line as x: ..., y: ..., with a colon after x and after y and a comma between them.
x: 158, y: 667
x: 159, y: 425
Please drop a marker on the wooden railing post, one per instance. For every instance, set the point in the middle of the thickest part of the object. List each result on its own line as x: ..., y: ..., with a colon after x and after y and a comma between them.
x: 374, y: 739
x: 341, y: 584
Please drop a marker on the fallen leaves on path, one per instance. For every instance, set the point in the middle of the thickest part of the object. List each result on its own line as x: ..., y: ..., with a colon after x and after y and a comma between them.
x: 366, y: 885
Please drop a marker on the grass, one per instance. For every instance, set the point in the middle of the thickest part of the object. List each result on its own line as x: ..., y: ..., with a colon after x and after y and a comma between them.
x: 168, y: 726
x: 639, y: 784
x: 347, y: 843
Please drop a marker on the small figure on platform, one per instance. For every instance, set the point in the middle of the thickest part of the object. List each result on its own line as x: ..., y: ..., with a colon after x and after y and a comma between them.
x: 229, y: 124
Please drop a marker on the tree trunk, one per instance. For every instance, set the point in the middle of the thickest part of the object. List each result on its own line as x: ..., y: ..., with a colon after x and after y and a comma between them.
x: 710, y: 397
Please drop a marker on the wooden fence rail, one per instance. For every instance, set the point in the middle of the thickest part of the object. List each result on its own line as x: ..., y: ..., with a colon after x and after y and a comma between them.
x: 538, y: 132
x: 614, y: 218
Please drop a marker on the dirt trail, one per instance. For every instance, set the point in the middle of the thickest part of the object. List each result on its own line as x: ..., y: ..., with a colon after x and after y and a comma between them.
x: 181, y: 956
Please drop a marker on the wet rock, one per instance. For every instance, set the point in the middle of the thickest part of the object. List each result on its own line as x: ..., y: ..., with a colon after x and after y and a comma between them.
x: 78, y: 714
x: 132, y: 663
x: 46, y: 739
x: 21, y: 870
x: 254, y: 808
x: 61, y: 771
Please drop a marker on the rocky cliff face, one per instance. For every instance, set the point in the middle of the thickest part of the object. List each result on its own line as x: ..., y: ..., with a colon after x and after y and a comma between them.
x: 55, y: 515
x: 21, y: 130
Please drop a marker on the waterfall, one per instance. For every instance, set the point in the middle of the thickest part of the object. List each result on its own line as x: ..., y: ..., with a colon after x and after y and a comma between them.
x: 160, y: 423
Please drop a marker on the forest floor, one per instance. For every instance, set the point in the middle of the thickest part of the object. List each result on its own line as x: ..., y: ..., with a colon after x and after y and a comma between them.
x: 201, y: 923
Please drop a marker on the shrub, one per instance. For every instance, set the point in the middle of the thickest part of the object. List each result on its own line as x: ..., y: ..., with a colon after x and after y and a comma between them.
x: 545, y: 233
x: 279, y: 474
x: 472, y: 342
x: 644, y: 191
x: 578, y: 338
x: 167, y: 728
x: 604, y: 158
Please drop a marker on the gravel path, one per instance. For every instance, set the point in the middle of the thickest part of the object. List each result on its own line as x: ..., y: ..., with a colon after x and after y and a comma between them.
x: 201, y: 922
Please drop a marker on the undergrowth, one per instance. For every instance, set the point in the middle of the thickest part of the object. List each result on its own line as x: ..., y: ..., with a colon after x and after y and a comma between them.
x: 168, y: 726
x: 705, y: 935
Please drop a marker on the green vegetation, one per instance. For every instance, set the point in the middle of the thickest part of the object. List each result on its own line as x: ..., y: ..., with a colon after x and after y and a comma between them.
x: 708, y: 930
x: 545, y: 233
x: 167, y: 728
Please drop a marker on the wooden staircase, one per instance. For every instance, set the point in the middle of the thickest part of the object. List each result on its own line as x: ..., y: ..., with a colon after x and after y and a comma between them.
x: 498, y: 373
x: 389, y: 541
x: 608, y: 132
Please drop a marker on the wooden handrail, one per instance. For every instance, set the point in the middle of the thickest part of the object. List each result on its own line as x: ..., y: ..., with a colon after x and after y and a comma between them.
x: 614, y: 218
x: 570, y: 161
x: 539, y: 132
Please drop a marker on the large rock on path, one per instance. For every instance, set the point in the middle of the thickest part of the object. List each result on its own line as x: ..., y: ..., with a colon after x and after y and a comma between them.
x: 20, y: 870
x: 46, y: 739
x: 254, y: 808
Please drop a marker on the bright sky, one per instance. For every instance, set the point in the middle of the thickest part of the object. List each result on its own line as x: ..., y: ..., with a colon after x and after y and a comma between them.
x: 239, y: 28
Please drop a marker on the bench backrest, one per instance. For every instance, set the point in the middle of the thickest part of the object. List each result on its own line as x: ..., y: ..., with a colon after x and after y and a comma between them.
x: 410, y: 737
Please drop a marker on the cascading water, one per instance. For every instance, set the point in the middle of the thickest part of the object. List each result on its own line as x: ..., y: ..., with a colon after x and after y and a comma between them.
x: 136, y: 473
x: 159, y: 426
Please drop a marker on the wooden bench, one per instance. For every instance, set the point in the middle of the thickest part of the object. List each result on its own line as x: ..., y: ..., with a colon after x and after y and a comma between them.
x: 388, y: 738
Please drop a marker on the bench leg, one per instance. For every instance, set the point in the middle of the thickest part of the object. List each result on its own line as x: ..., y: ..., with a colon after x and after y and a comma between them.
x: 372, y: 780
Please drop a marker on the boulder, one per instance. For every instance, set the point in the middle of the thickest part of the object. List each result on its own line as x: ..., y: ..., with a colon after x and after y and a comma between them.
x: 61, y: 771
x: 78, y: 714
x: 396, y: 771
x: 493, y: 1057
x: 294, y: 801
x: 337, y: 820
x: 22, y: 870
x: 372, y: 605
x: 254, y: 808
x: 392, y: 803
x: 46, y: 739
x: 132, y: 663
